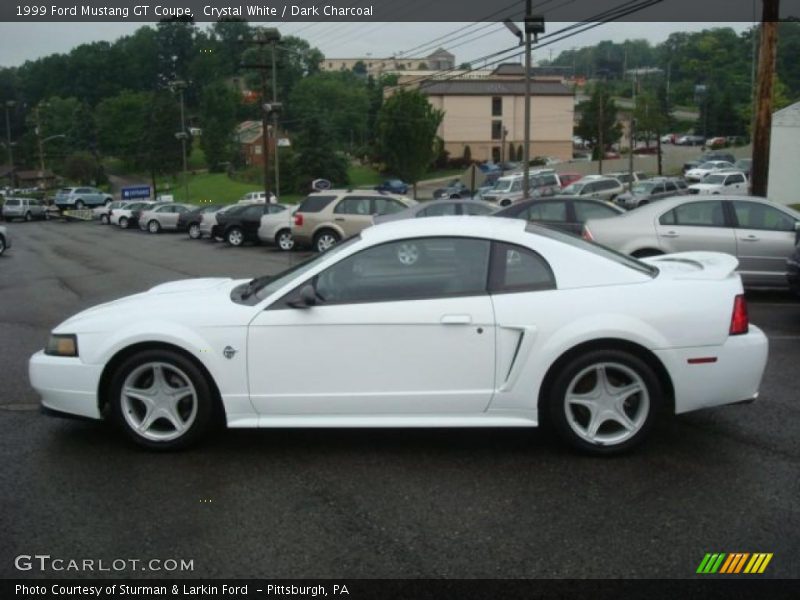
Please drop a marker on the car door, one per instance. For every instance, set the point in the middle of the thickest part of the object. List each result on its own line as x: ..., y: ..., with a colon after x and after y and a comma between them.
x: 386, y: 206
x: 765, y: 238
x: 736, y: 184
x: 353, y: 214
x: 385, y: 338
x: 552, y: 213
x: 696, y: 226
x: 658, y: 191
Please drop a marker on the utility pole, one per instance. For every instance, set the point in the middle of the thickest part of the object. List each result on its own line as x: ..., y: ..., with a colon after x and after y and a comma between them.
x: 263, y: 37
x: 9, y: 105
x: 763, y: 109
x: 275, y: 121
x: 503, y: 152
x: 630, y: 150
x: 182, y: 136
x: 602, y: 149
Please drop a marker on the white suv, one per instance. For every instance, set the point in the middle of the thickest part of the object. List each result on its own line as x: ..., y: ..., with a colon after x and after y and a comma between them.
x: 258, y: 198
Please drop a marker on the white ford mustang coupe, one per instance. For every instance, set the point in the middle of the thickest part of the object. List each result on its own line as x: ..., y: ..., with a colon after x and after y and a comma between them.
x: 446, y: 322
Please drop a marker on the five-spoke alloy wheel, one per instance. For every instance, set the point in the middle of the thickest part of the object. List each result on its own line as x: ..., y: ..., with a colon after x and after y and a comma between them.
x: 325, y: 240
x: 605, y: 401
x: 285, y: 240
x: 161, y: 399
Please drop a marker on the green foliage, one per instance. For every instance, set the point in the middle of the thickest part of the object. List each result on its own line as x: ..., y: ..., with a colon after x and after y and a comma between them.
x: 599, y: 113
x: 316, y: 156
x: 407, y: 127
x: 81, y: 167
x: 218, y: 118
x: 340, y: 99
x: 467, y: 156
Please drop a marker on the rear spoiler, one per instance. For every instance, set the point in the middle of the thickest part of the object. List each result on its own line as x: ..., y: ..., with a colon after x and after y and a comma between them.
x: 695, y: 265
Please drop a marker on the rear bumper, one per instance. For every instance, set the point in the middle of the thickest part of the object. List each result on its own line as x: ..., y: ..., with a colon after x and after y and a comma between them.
x: 66, y: 385
x: 733, y: 376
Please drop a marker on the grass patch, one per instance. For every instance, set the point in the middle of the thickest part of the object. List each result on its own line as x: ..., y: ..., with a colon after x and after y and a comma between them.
x: 205, y: 187
x: 197, y: 159
x: 363, y: 175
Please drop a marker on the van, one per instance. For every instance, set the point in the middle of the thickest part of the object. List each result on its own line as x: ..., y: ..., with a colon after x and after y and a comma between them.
x: 24, y: 208
x: 508, y: 189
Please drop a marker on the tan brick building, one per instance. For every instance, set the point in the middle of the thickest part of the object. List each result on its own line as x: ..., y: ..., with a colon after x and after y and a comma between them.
x: 488, y: 114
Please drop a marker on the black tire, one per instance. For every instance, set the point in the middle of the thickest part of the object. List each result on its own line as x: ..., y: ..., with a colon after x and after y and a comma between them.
x: 194, y: 231
x: 455, y: 196
x: 79, y: 205
x: 153, y: 226
x: 28, y: 216
x: 325, y: 239
x: 284, y: 240
x: 104, y: 219
x: 234, y: 236
x: 505, y: 202
x: 646, y: 252
x: 205, y: 403
x: 641, y: 408
x: 123, y: 222
x: 2, y: 245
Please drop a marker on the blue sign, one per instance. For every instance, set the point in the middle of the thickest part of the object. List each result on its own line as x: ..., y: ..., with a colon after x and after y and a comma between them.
x: 133, y: 193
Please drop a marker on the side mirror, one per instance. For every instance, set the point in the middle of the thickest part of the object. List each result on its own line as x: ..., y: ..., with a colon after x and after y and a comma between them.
x: 306, y: 298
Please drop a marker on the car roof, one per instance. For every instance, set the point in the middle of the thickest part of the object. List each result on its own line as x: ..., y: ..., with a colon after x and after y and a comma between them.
x: 458, y: 226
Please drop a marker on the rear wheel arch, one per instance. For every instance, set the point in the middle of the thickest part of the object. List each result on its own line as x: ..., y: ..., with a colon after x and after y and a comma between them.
x: 121, y: 356
x: 607, y: 344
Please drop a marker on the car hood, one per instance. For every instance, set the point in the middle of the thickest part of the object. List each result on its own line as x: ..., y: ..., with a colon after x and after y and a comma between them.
x: 196, y: 302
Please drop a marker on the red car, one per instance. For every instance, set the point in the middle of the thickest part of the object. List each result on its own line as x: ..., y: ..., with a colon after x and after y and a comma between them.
x: 567, y: 178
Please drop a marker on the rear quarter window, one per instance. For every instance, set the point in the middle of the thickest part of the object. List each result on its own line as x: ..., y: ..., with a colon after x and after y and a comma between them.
x: 315, y: 203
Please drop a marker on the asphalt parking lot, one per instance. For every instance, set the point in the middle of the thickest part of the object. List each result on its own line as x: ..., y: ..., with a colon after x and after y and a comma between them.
x: 359, y: 503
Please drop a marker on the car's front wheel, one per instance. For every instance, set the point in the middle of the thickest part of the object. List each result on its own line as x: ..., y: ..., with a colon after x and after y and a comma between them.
x: 123, y: 222
x: 104, y: 219
x: 79, y: 205
x: 325, y: 240
x: 284, y: 240
x: 161, y: 399
x: 235, y: 236
x: 154, y: 226
x: 194, y: 231
x: 28, y: 216
x: 604, y: 401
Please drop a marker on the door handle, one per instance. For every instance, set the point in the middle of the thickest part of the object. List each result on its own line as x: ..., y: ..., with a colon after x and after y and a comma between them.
x: 456, y: 320
x: 750, y: 238
x: 670, y: 234
x: 339, y: 219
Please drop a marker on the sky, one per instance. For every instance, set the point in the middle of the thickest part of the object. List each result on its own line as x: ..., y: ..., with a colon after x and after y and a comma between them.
x: 26, y: 41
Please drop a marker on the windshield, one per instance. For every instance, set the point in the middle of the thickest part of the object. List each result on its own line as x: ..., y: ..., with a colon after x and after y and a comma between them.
x: 594, y: 248
x: 643, y: 188
x: 503, y: 185
x: 708, y: 165
x: 574, y: 188
x: 714, y: 179
x: 264, y: 287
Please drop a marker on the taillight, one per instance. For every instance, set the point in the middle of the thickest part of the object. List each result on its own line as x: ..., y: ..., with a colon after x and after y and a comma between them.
x: 740, y: 322
x: 586, y: 234
x: 298, y: 220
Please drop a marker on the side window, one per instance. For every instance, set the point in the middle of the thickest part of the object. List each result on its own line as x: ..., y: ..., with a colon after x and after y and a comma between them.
x: 699, y: 214
x: 516, y: 186
x: 546, y: 211
x: 591, y: 210
x: 753, y: 215
x: 439, y: 210
x: 518, y: 269
x: 659, y: 189
x: 670, y: 187
x: 733, y: 179
x: 353, y: 205
x: 588, y: 189
x: 477, y: 209
x: 387, y: 206
x: 275, y: 208
x: 254, y: 212
x: 408, y: 269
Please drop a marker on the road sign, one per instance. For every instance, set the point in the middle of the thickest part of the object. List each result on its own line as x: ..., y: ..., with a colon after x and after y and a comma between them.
x: 136, y: 192
x: 320, y: 184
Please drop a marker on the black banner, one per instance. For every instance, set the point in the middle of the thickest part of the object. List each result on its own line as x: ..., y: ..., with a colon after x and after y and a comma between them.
x: 396, y: 11
x: 734, y: 588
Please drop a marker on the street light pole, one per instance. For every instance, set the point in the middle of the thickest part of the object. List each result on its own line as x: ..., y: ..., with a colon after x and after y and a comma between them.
x: 180, y: 85
x: 275, y: 121
x: 9, y: 105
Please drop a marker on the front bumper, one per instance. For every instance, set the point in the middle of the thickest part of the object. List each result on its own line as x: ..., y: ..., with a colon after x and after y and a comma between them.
x: 66, y: 385
x: 734, y: 376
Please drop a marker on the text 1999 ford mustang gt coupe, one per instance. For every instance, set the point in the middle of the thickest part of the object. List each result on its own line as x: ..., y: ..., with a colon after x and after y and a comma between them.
x: 447, y: 322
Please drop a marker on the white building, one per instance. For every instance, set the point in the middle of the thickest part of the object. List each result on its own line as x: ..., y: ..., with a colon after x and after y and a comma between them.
x: 784, y: 156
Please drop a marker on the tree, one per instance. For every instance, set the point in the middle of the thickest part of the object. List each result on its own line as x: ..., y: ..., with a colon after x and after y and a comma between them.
x: 599, y: 120
x: 360, y: 68
x: 467, y: 156
x: 218, y: 121
x: 407, y: 127
x: 315, y: 155
x: 159, y: 150
x: 80, y: 167
x: 120, y: 120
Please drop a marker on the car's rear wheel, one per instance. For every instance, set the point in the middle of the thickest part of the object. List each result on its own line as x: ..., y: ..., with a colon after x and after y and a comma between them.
x: 154, y: 226
x: 325, y: 240
x: 284, y: 240
x: 123, y: 222
x: 505, y: 202
x: 161, y: 399
x: 28, y: 216
x: 235, y: 236
x: 604, y: 401
x: 194, y: 231
x: 104, y: 219
x: 2, y: 245
x: 79, y: 205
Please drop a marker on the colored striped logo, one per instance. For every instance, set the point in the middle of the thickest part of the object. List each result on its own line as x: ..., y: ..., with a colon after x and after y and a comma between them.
x: 734, y: 563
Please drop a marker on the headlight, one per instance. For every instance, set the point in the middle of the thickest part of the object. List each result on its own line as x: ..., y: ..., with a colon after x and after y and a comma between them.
x: 62, y: 345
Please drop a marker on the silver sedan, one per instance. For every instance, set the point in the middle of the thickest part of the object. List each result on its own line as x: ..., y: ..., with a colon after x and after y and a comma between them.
x: 761, y: 234
x: 440, y: 208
